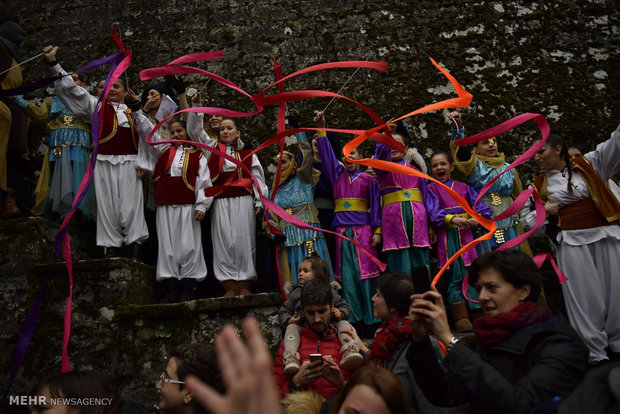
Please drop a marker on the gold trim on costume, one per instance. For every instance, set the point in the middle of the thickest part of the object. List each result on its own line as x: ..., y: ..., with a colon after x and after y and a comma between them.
x: 351, y: 204
x: 411, y: 194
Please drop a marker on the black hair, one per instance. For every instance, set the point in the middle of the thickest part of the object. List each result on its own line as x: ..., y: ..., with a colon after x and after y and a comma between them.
x: 198, y: 359
x: 179, y: 121
x: 396, y: 289
x: 554, y: 139
x: 123, y: 81
x: 316, y: 292
x: 319, y: 267
x: 80, y: 385
x: 516, y: 267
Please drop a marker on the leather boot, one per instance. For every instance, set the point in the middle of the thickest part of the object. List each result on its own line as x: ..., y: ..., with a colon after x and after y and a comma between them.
x: 171, y: 288
x: 461, y: 317
x: 245, y: 287
x: 188, y: 285
x: 230, y: 287
x: 9, y: 207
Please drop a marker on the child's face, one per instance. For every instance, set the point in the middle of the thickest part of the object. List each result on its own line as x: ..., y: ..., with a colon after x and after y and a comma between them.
x: 350, y: 166
x: 397, y: 155
x: 228, y: 131
x: 155, y: 97
x: 305, y: 272
x: 178, y: 132
x: 487, y: 148
x: 286, y: 162
x: 441, y: 168
x: 117, y: 92
x: 215, y: 121
x: 100, y: 87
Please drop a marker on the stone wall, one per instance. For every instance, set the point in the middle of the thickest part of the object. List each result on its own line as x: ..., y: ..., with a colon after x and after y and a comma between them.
x: 556, y: 58
x: 117, y: 328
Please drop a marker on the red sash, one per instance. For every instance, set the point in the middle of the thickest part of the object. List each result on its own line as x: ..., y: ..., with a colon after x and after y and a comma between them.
x: 241, y: 184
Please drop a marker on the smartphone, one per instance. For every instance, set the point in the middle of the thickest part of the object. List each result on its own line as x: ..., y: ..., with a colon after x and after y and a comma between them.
x: 316, y: 357
x: 421, y: 279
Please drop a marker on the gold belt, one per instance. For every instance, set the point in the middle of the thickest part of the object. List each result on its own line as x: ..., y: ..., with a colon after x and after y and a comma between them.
x: 496, y: 199
x: 499, y: 235
x: 68, y: 120
x: 351, y: 204
x: 412, y: 194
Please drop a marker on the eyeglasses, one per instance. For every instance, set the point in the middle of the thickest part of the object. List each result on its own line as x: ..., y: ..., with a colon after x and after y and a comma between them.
x: 166, y: 380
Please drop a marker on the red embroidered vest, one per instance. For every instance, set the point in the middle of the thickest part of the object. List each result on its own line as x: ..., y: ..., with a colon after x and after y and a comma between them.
x: 116, y: 140
x: 176, y: 190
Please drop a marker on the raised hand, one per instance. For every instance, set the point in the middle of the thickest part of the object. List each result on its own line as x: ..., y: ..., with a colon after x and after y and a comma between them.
x: 49, y: 53
x: 246, y: 371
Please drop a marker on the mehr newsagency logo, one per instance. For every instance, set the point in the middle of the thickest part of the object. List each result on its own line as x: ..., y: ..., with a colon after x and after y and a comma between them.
x: 42, y: 401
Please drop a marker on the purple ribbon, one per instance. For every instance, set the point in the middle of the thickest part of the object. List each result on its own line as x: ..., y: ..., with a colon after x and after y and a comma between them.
x: 41, y: 83
x: 29, y: 326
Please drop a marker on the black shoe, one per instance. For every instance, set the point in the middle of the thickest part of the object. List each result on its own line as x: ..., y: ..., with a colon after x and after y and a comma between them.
x: 112, y: 252
x: 188, y: 287
x: 171, y: 289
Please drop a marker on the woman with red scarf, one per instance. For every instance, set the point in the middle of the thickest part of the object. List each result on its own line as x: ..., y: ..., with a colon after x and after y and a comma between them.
x: 528, y: 355
x: 393, y: 337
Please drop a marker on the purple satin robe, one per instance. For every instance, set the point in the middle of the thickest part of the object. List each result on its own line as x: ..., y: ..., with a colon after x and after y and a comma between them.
x: 448, y: 205
x: 392, y: 222
x: 356, y: 185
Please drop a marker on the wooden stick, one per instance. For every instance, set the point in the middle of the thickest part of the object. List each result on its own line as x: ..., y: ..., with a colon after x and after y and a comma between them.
x: 339, y: 90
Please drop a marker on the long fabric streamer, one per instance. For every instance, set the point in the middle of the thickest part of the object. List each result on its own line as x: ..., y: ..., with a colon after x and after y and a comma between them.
x: 120, y: 61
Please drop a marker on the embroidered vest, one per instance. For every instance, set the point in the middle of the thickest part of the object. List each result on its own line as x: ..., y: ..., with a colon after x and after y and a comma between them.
x: 115, y: 140
x: 176, y: 190
x: 602, y: 208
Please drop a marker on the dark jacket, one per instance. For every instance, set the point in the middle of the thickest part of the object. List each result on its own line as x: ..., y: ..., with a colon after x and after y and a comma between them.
x: 527, y: 370
x: 400, y: 367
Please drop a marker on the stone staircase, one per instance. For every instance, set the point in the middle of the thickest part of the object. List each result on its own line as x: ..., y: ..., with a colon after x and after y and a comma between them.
x: 117, y: 326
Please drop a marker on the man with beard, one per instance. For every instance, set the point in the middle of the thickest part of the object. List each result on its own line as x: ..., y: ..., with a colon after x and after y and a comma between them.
x: 197, y: 359
x: 319, y: 348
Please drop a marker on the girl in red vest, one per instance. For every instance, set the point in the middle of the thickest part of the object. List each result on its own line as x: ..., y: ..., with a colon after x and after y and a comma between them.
x: 180, y: 178
x: 233, y: 216
x: 118, y: 188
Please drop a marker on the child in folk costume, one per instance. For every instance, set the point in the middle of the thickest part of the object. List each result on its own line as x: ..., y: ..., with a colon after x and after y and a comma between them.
x: 480, y: 165
x: 233, y: 215
x: 453, y: 233
x: 180, y: 177
x: 408, y: 211
x: 358, y: 216
x: 118, y: 189
x: 66, y: 157
x: 291, y: 318
x: 295, y: 194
